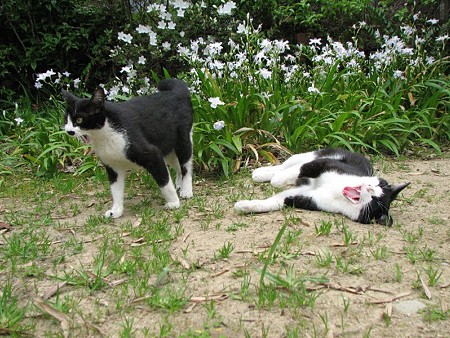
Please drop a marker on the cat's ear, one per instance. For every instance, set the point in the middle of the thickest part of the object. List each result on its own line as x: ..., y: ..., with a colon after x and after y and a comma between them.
x: 69, y: 97
x: 98, y: 98
x: 397, y: 189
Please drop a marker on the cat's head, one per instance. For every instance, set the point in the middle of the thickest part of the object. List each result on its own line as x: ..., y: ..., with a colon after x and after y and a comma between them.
x: 83, y: 115
x: 374, y: 200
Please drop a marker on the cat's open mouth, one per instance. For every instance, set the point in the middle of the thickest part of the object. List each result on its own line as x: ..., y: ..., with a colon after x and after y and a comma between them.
x: 353, y: 194
x: 83, y: 138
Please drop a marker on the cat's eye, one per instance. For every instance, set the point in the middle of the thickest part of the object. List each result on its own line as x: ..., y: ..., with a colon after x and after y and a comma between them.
x: 79, y: 120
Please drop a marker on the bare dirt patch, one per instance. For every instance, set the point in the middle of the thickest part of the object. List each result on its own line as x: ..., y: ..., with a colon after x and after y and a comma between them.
x: 371, y: 268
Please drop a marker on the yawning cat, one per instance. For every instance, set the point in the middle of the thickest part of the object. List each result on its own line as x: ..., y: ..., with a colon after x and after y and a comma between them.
x: 144, y: 132
x: 332, y: 180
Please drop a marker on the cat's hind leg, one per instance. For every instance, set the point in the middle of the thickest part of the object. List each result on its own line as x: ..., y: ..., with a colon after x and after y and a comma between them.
x: 153, y: 161
x: 286, y: 177
x: 184, y: 154
x: 116, y: 179
x: 265, y: 174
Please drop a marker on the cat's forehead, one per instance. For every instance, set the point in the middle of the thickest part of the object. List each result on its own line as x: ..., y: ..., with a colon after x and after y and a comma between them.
x: 81, y: 107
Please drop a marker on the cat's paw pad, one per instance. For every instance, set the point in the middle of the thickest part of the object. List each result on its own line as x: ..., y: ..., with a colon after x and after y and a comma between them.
x: 263, y: 174
x: 114, y: 213
x: 244, y: 206
x: 172, y: 205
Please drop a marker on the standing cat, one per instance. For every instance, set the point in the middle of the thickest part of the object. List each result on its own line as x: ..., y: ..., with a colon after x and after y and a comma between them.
x: 332, y: 180
x: 144, y: 132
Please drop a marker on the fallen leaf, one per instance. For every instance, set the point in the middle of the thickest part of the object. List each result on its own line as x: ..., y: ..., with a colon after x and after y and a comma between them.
x: 200, y: 299
x: 185, y: 264
x: 64, y: 320
x: 388, y: 309
x: 4, y: 225
x: 220, y: 273
x: 425, y: 287
x: 137, y: 222
x: 53, y: 290
x: 391, y: 299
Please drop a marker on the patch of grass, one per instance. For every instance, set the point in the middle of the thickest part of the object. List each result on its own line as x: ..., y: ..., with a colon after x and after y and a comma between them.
x: 324, y: 228
x: 11, y: 313
x: 225, y: 251
x: 432, y: 314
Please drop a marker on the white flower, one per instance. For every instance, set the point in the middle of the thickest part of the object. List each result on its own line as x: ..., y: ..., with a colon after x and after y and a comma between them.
x: 408, y: 30
x: 125, y: 37
x: 180, y: 12
x: 213, y: 49
x: 429, y: 60
x: 242, y: 29
x: 76, y: 82
x: 143, y: 29
x: 183, y: 51
x: 152, y: 36
x: 442, y: 38
x: 166, y: 45
x: 215, y: 101
x: 433, y: 21
x: 126, y: 69
x: 18, y: 120
x: 226, y: 8
x: 182, y: 34
x: 162, y: 24
x: 313, y: 89
x: 66, y: 74
x: 38, y: 85
x: 398, y: 74
x: 142, y: 60
x: 315, y: 41
x: 265, y: 73
x: 180, y: 4
x: 45, y: 76
x: 219, y: 125
x: 171, y: 25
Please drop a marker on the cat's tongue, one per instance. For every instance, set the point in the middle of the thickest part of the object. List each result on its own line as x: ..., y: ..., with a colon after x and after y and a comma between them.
x: 352, y: 193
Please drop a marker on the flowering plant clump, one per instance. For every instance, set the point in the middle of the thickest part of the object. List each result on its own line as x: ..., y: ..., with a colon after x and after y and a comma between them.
x: 257, y: 98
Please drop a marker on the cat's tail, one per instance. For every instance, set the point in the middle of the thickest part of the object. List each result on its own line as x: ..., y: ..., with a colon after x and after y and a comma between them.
x: 174, y: 85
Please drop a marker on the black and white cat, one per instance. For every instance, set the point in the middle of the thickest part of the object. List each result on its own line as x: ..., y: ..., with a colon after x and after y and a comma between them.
x: 332, y: 180
x: 146, y: 132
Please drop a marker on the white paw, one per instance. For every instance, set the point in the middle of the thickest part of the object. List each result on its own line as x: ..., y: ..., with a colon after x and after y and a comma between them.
x: 244, y: 206
x: 114, y: 213
x: 279, y: 181
x: 172, y: 205
x: 263, y: 174
x: 186, y: 193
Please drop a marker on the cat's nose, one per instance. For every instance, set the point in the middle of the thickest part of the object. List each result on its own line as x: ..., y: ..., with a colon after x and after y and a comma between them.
x: 70, y: 132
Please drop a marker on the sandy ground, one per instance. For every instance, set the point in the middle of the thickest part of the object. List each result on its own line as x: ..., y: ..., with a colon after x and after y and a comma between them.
x: 353, y: 303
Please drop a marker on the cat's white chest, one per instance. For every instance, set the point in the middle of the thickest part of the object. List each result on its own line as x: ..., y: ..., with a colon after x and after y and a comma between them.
x: 110, y: 146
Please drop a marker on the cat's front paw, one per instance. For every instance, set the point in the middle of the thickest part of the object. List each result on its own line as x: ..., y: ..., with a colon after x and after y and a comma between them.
x: 172, y: 205
x: 263, y: 174
x: 114, y: 213
x: 186, y: 193
x: 244, y: 206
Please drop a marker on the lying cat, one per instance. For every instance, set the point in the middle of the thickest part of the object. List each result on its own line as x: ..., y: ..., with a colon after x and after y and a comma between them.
x: 144, y: 132
x: 332, y: 180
